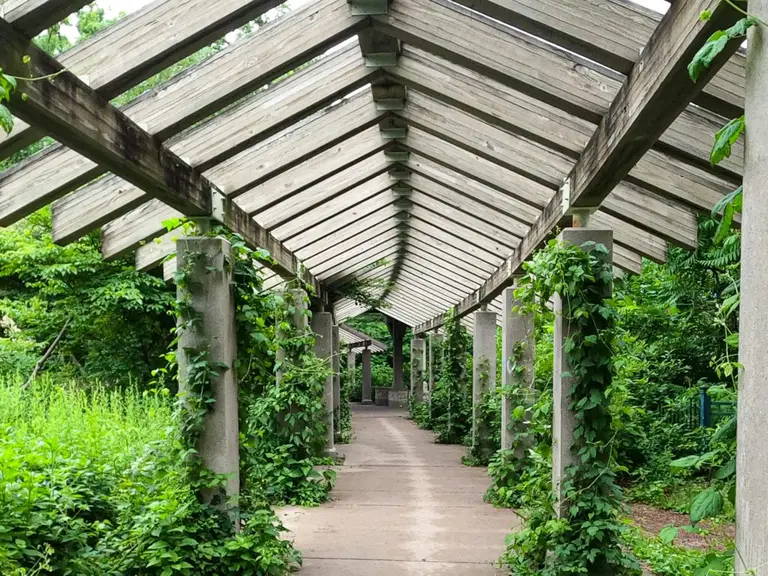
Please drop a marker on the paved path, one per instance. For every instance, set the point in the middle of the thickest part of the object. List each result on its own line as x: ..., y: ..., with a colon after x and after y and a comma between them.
x: 403, y: 505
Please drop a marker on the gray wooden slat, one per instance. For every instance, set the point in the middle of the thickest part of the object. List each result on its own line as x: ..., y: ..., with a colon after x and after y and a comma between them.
x: 141, y: 44
x: 30, y: 17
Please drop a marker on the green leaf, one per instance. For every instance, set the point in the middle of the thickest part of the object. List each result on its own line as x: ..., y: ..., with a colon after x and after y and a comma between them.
x: 685, y: 462
x: 705, y: 15
x: 707, y: 504
x: 668, y: 534
x: 727, y: 470
x: 6, y: 119
x: 715, y: 44
x: 725, y: 138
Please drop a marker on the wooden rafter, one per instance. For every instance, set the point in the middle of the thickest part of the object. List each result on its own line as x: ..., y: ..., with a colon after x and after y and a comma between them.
x: 654, y: 94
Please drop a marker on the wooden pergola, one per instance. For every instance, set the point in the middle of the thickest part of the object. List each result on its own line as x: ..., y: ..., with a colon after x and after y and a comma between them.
x: 430, y: 144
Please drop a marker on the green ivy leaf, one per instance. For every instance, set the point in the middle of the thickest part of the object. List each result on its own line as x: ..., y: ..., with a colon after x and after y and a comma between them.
x: 725, y: 138
x: 668, y: 534
x: 705, y: 15
x: 6, y: 119
x: 726, y: 470
x: 707, y: 504
x: 685, y: 462
x: 715, y: 44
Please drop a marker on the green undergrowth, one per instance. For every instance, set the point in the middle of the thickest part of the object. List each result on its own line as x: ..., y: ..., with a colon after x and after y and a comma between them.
x: 662, y: 558
x: 94, y: 482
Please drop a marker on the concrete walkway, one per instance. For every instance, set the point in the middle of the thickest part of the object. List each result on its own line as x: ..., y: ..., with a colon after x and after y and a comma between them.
x: 403, y: 505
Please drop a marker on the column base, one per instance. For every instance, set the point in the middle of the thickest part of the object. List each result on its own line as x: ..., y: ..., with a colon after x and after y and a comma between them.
x: 367, y: 402
x: 398, y: 399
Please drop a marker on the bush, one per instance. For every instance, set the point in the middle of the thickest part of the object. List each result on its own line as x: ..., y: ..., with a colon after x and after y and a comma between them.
x: 94, y: 483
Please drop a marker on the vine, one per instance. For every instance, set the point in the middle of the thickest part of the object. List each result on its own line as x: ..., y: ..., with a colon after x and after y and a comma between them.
x: 587, y: 536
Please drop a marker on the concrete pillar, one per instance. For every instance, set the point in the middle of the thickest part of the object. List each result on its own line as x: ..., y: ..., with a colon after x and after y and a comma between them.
x: 483, y: 376
x: 518, y: 348
x: 417, y: 369
x: 336, y: 382
x: 398, y: 333
x: 208, y: 289
x: 752, y: 451
x: 563, y: 421
x: 298, y: 321
x: 367, y: 379
x: 322, y: 326
x: 434, y: 341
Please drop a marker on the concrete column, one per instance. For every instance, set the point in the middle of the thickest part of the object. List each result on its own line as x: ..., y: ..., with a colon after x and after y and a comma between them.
x: 417, y: 369
x: 564, y: 422
x: 336, y: 382
x: 434, y: 340
x: 752, y: 451
x: 483, y: 376
x: 518, y: 348
x: 322, y: 326
x: 209, y: 292
x: 298, y: 320
x: 398, y: 333
x: 367, y: 381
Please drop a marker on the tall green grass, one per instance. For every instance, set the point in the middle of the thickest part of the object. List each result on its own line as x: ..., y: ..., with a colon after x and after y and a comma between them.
x: 94, y: 482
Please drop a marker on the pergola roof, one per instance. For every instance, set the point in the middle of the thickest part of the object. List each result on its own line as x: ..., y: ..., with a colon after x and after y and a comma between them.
x: 427, y: 145
x: 357, y: 341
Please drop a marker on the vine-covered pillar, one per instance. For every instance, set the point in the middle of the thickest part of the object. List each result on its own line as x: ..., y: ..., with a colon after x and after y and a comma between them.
x: 367, y: 377
x: 336, y: 382
x: 483, y: 378
x: 208, y: 335
x: 351, y: 359
x: 322, y: 326
x: 752, y: 450
x: 564, y: 419
x: 417, y: 369
x: 518, y: 347
x: 298, y: 321
x: 434, y: 340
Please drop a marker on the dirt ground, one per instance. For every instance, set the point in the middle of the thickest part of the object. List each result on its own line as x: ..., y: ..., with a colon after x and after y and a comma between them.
x: 653, y: 519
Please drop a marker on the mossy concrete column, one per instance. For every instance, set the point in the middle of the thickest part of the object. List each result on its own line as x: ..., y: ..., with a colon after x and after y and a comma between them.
x: 208, y: 291
x: 752, y: 449
x: 322, y: 326
x: 564, y: 419
x: 483, y: 378
x: 367, y: 377
x: 336, y: 382
x: 417, y: 369
x: 518, y: 347
x: 433, y: 342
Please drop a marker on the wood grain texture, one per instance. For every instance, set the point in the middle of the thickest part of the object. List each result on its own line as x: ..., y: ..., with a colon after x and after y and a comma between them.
x: 331, y: 197
x: 342, y: 157
x: 329, y: 264
x: 213, y: 141
x: 31, y: 17
x: 611, y: 32
x: 143, y: 43
x: 213, y: 84
x: 382, y: 230
x: 656, y: 91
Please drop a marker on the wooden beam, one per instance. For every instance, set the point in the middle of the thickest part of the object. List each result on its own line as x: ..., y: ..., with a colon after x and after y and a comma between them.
x: 189, y: 97
x: 656, y: 91
x: 77, y: 116
x: 380, y: 229
x: 375, y: 223
x: 500, y: 105
x: 31, y: 17
x: 611, y: 32
x: 142, y: 44
x: 214, y: 141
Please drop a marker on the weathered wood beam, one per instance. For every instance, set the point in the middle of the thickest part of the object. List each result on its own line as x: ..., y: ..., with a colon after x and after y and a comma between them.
x: 382, y: 230
x: 31, y: 17
x: 655, y: 93
x: 562, y: 79
x: 188, y: 98
x: 226, y: 135
x: 142, y: 44
x: 379, y: 50
x: 82, y: 119
x: 517, y: 112
x: 342, y: 262
x: 611, y: 32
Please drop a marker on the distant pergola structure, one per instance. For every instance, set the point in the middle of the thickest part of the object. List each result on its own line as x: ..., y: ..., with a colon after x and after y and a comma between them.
x: 436, y: 152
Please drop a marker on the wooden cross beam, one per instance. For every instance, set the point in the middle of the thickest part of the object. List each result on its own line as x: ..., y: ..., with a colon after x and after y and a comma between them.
x: 80, y: 118
x: 654, y: 94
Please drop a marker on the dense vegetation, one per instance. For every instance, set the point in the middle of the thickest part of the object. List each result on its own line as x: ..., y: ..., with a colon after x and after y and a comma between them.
x: 672, y: 339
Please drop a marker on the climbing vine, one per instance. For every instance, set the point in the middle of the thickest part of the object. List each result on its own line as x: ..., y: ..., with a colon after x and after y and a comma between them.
x: 587, y: 536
